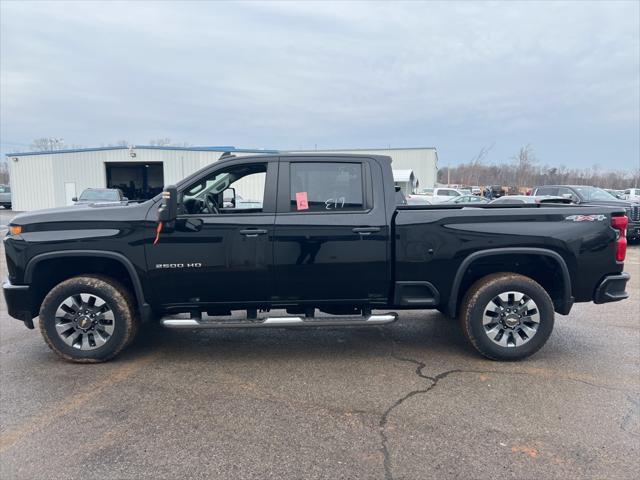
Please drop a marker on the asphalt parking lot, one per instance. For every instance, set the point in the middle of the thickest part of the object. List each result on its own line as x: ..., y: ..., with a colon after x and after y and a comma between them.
x: 406, y: 401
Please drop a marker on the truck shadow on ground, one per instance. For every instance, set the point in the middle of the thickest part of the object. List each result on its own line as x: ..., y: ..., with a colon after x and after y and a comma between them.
x: 433, y: 332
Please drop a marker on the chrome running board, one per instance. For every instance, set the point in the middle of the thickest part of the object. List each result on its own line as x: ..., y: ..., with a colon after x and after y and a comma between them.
x: 191, y: 323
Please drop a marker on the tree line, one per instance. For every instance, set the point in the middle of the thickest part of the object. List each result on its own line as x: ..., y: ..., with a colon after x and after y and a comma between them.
x: 49, y: 144
x: 523, y: 170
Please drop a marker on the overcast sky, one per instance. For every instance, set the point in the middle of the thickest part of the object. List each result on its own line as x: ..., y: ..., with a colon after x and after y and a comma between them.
x: 564, y: 77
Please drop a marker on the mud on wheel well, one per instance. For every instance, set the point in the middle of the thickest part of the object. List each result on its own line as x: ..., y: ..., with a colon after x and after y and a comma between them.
x: 50, y: 272
x: 543, y: 269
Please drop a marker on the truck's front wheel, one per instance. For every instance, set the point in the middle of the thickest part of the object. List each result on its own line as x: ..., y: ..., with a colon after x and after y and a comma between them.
x: 507, y: 316
x: 88, y: 319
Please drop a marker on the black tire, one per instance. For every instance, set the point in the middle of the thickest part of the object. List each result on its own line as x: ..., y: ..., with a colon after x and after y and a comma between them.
x: 119, y: 301
x: 479, y: 298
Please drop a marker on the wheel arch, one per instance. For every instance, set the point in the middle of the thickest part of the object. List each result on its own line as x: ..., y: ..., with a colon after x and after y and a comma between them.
x: 563, y: 301
x: 106, y: 257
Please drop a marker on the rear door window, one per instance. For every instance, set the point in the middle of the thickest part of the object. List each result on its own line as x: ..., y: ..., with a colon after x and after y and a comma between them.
x: 326, y: 187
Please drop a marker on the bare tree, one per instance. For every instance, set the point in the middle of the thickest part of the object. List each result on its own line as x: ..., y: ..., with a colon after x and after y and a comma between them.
x: 525, y: 159
x: 476, y: 163
x: 4, y: 172
x: 160, y: 142
x: 48, y: 144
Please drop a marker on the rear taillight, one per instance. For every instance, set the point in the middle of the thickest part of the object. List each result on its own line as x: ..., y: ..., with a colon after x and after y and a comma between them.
x: 620, y: 224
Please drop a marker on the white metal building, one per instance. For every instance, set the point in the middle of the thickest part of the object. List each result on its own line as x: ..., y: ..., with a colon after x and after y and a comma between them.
x: 406, y: 180
x: 52, y: 179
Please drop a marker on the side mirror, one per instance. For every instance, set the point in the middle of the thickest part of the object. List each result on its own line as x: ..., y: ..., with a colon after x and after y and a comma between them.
x: 168, y: 211
x: 229, y: 198
x: 74, y: 199
x: 125, y: 199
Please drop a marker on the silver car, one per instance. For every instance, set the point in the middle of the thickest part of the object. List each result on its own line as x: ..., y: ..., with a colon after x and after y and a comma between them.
x: 5, y: 196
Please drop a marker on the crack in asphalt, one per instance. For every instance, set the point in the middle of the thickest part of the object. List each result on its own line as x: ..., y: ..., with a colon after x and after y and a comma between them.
x: 388, y: 472
x: 626, y: 420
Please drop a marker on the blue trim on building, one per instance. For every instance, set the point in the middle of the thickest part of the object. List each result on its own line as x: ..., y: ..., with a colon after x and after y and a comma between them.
x: 227, y: 148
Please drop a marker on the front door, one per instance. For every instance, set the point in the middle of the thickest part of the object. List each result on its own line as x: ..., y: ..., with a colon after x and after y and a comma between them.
x: 221, y: 250
x: 331, y: 239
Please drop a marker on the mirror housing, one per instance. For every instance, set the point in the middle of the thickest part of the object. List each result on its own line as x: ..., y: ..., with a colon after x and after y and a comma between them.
x: 168, y: 211
x: 229, y: 198
x: 74, y: 199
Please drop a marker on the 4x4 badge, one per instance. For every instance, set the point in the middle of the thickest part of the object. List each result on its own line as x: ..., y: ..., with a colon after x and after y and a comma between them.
x: 586, y: 218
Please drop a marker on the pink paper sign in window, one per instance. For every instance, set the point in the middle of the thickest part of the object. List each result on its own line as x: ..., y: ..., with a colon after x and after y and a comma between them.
x: 302, y: 202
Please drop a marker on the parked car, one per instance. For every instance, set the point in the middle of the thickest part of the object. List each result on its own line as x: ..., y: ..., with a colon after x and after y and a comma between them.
x: 329, y: 236
x: 632, y: 194
x: 467, y: 199
x: 476, y: 190
x: 520, y: 199
x: 240, y: 203
x: 5, y: 196
x: 619, y: 194
x: 440, y: 194
x: 413, y: 199
x: 587, y: 195
x: 497, y: 191
x: 100, y: 195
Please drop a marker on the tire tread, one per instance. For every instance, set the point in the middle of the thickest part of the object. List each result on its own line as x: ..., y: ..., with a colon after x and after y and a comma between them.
x: 115, y: 289
x: 470, y: 301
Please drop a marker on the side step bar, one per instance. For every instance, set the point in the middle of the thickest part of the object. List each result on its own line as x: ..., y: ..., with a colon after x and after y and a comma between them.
x: 190, y: 323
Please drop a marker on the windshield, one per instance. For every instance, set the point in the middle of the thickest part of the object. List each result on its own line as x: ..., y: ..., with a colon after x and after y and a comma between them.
x: 592, y: 193
x: 104, y: 195
x: 5, y: 189
x: 215, y: 184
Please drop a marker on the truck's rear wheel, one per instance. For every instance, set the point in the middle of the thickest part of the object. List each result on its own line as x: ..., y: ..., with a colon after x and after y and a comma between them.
x: 507, y: 316
x: 88, y: 319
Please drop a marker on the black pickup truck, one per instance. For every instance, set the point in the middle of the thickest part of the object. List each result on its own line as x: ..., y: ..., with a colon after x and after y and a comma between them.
x: 319, y: 237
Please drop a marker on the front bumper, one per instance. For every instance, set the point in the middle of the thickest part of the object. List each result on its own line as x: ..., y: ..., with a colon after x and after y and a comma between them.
x: 612, y: 288
x: 19, y: 302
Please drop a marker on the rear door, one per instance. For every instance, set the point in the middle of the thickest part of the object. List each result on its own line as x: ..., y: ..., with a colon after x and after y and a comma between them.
x: 331, y: 234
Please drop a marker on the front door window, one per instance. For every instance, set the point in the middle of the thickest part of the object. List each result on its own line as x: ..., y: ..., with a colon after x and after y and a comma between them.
x: 238, y: 189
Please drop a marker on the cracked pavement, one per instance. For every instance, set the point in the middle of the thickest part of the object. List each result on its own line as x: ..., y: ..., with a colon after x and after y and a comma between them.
x: 406, y: 401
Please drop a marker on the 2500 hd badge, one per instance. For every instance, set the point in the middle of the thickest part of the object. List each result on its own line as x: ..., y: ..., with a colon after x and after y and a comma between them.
x: 178, y: 265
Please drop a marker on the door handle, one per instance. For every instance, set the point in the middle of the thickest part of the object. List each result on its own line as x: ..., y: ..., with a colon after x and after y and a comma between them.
x: 366, y: 230
x: 253, y: 232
